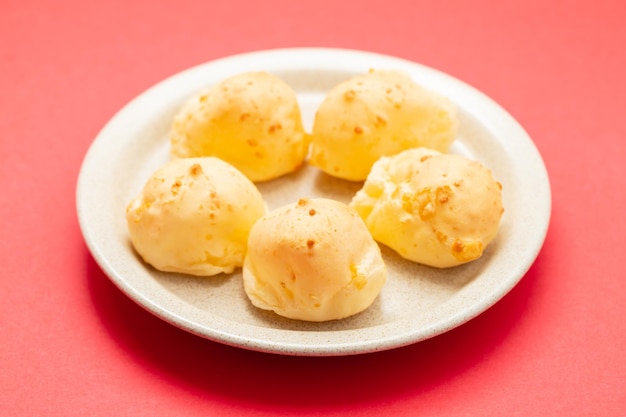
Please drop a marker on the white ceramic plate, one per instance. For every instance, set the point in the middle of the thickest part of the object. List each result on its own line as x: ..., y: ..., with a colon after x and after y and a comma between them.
x: 416, y: 303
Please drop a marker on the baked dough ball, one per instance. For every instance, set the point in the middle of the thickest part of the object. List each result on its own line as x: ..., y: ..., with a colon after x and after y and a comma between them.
x: 313, y: 260
x: 250, y: 120
x: 194, y: 216
x: 437, y: 209
x: 376, y: 114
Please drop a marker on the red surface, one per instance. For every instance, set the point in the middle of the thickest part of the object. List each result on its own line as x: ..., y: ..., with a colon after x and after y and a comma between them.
x: 72, y: 344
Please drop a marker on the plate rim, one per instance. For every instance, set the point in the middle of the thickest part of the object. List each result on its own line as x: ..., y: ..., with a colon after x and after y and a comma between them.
x: 292, y: 58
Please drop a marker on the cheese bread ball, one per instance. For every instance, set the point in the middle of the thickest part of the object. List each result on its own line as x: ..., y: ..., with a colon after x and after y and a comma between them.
x: 313, y: 260
x: 251, y: 120
x: 194, y: 216
x: 376, y: 114
x: 436, y: 209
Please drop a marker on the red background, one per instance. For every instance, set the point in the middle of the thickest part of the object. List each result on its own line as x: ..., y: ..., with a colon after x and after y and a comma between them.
x: 72, y: 344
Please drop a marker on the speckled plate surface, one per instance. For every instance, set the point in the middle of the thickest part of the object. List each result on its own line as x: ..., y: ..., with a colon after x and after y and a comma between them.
x: 416, y: 303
